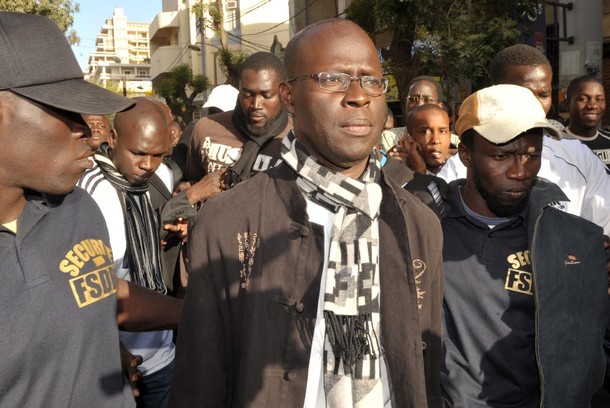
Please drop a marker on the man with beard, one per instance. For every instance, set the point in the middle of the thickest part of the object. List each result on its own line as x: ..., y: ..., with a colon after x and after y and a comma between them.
x: 532, y: 335
x: 567, y: 163
x: 248, y: 138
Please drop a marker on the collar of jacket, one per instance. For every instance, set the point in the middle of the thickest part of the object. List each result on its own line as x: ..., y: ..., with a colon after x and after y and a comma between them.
x: 543, y: 193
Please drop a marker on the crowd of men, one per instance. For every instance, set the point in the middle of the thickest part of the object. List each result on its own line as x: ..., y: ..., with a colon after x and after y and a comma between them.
x: 280, y: 252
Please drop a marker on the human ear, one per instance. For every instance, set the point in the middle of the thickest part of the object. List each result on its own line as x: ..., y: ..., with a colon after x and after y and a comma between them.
x: 464, y: 153
x: 112, y: 137
x: 286, y: 98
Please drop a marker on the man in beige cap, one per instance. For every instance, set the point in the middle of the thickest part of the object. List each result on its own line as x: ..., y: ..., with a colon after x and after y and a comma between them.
x: 532, y: 334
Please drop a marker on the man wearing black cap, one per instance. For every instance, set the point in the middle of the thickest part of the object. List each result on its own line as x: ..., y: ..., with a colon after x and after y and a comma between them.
x: 532, y: 335
x: 58, y: 299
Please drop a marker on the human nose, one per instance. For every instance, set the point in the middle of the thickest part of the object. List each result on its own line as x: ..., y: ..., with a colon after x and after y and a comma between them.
x: 146, y: 163
x: 518, y: 169
x: 355, y: 95
x: 435, y: 137
x: 593, y: 103
x: 257, y: 102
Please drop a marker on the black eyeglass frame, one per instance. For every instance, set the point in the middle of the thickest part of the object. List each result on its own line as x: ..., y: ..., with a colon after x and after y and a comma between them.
x: 416, y: 98
x: 384, y: 83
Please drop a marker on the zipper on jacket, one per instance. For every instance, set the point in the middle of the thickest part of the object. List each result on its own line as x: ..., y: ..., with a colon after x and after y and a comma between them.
x: 536, y: 303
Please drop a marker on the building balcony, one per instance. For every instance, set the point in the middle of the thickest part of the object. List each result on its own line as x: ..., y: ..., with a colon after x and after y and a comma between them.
x: 163, y: 26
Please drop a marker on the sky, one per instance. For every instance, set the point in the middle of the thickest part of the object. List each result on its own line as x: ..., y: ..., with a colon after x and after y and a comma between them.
x: 93, y: 13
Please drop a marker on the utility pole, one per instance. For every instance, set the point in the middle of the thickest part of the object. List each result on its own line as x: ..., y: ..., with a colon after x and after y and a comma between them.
x: 202, y: 35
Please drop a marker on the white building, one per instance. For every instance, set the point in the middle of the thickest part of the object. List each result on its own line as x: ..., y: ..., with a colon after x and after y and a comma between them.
x: 177, y: 36
x: 122, y: 56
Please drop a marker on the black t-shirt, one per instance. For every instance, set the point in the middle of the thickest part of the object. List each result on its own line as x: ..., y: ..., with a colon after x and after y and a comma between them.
x: 488, y: 325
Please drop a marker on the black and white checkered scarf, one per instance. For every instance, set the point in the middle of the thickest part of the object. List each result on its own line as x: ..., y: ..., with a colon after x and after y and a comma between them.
x: 352, y: 355
x: 142, y: 233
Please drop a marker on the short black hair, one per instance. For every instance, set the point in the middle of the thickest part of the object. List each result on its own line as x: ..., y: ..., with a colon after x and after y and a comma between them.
x: 423, y: 108
x: 432, y: 80
x: 577, y: 82
x: 264, y: 60
x: 467, y: 138
x: 520, y: 54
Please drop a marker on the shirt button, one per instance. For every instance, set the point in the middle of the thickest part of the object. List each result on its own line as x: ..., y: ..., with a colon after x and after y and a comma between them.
x: 289, y: 376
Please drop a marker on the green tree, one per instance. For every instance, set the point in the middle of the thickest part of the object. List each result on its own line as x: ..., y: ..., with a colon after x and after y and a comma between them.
x: 179, y: 88
x: 454, y: 39
x: 62, y: 11
x: 229, y: 60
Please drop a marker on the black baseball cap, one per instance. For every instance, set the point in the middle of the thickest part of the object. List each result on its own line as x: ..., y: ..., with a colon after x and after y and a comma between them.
x: 38, y: 63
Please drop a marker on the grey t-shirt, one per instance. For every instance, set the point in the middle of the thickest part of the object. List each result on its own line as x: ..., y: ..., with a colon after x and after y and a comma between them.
x: 488, y: 325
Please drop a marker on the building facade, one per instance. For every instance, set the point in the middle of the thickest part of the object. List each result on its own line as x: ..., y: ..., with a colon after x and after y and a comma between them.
x: 178, y: 36
x: 122, y: 56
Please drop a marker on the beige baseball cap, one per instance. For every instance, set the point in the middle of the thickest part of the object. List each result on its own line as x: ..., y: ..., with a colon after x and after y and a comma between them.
x: 500, y: 113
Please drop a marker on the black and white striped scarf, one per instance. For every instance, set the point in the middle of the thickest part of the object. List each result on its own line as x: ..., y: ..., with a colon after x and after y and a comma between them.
x: 143, y: 242
x: 352, y: 354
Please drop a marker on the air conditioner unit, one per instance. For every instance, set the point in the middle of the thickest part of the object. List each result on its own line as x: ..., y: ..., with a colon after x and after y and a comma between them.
x: 231, y: 5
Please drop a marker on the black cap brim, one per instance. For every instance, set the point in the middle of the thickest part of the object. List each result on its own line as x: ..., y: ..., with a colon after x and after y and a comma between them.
x: 76, y: 95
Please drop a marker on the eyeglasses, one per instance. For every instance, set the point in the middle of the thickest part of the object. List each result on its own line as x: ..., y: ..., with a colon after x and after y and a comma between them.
x: 417, y: 98
x: 339, y: 82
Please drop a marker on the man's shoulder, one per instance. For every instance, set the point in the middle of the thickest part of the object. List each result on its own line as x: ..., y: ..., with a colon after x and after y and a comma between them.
x: 92, y: 179
x: 242, y: 197
x: 99, y: 188
x: 569, y: 156
x: 212, y: 123
x: 77, y: 206
x: 287, y: 129
x: 604, y: 133
x: 412, y: 206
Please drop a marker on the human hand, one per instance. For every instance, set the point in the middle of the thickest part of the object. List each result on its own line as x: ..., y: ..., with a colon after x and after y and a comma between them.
x: 182, y: 186
x: 408, y: 150
x: 130, y: 364
x: 207, y: 187
x: 178, y: 228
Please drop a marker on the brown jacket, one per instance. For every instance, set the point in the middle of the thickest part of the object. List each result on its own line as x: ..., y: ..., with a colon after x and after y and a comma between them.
x: 250, y: 308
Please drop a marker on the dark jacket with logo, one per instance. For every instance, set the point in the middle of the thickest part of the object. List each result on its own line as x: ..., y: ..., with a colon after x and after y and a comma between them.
x: 250, y: 309
x: 570, y: 296
x: 571, y: 300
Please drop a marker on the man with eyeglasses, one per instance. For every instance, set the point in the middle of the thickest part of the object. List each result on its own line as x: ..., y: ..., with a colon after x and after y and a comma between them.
x: 327, y: 293
x: 424, y: 90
